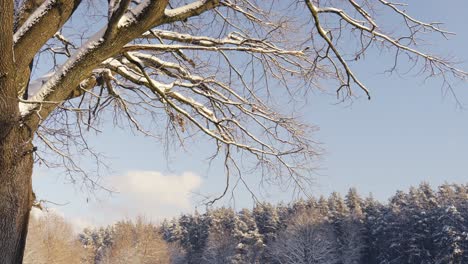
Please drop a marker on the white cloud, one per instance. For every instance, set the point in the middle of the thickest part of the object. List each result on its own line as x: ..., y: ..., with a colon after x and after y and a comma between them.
x: 150, y: 194
x: 156, y: 188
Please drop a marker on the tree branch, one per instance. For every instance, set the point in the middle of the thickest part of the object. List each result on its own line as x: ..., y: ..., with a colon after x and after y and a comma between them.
x: 27, y: 8
x: 41, y: 25
x: 58, y: 88
x: 115, y: 14
x: 194, y: 9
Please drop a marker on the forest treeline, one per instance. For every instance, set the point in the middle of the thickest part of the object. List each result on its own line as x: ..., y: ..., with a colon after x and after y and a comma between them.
x: 422, y: 225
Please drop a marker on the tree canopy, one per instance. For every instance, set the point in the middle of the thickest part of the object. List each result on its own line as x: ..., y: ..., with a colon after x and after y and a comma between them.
x: 210, y: 68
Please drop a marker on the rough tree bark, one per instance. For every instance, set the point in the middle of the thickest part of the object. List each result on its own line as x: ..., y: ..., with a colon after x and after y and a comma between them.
x: 15, y: 152
x: 15, y: 189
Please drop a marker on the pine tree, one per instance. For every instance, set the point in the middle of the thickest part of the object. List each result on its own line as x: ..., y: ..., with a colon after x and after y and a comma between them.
x: 171, y: 230
x: 420, y: 221
x: 251, y: 245
x: 222, y: 242
x: 348, y: 229
x: 268, y: 224
x: 451, y: 237
x: 354, y: 229
x: 337, y: 214
x: 354, y: 203
x: 194, y: 236
x: 446, y: 195
x: 99, y: 241
x: 389, y: 230
x: 373, y: 229
x: 322, y: 207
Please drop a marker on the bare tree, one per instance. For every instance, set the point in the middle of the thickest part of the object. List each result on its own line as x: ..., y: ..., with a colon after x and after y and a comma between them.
x: 221, y: 248
x: 138, y: 242
x: 210, y: 67
x: 52, y: 240
x: 308, y: 239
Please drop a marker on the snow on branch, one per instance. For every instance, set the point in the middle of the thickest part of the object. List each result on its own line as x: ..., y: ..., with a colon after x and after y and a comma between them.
x: 59, y: 78
x: 41, y: 25
x: 117, y: 9
x: 33, y: 19
x: 193, y: 9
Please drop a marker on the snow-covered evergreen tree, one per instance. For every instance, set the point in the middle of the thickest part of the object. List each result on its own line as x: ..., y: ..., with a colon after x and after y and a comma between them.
x: 338, y: 216
x: 195, y: 232
x: 99, y: 241
x: 268, y: 224
x: 389, y: 230
x: 446, y: 195
x: 354, y: 203
x: 171, y: 230
x: 451, y: 238
x: 419, y: 219
x: 353, y: 230
x: 222, y: 242
x: 373, y: 229
x: 322, y: 207
x: 251, y: 245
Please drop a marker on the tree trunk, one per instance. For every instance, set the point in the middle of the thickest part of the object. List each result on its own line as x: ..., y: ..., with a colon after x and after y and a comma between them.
x: 16, y: 160
x: 16, y: 198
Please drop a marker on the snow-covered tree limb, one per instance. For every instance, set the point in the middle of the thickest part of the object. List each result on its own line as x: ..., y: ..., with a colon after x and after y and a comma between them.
x: 40, y: 26
x: 193, y: 9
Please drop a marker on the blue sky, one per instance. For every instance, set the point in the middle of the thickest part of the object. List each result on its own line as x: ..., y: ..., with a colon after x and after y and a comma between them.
x: 410, y: 132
